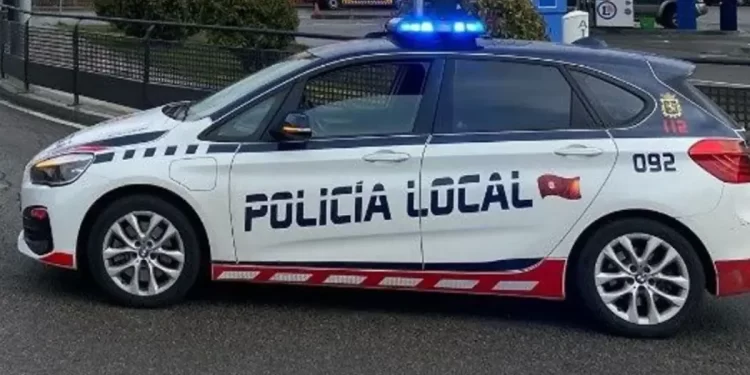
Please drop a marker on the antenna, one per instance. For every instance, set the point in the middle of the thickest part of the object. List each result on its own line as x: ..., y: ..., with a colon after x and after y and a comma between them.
x: 419, y: 8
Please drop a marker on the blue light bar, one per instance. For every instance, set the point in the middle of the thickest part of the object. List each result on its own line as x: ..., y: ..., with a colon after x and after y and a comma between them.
x: 428, y: 26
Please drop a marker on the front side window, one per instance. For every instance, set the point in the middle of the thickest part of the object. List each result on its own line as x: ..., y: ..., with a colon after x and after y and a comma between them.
x: 365, y: 100
x: 249, y: 121
x: 497, y: 96
x: 247, y: 85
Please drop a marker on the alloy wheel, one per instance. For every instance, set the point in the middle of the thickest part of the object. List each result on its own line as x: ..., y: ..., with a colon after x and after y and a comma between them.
x: 642, y: 279
x: 143, y: 253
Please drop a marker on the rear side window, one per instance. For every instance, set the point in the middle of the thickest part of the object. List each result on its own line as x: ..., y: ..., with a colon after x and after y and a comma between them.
x: 618, y: 106
x: 497, y: 96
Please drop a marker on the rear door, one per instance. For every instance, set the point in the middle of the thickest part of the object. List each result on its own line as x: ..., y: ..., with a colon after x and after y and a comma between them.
x: 515, y: 161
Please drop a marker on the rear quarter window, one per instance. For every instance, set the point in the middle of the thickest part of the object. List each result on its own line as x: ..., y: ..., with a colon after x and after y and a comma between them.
x: 617, y: 106
x: 700, y: 97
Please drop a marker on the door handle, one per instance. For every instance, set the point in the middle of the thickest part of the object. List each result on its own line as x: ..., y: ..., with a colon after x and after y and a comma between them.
x: 579, y: 150
x: 387, y: 156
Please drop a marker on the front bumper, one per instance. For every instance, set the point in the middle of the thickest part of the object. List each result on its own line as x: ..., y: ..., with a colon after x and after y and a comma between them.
x: 50, y: 235
x: 36, y: 230
x: 57, y: 258
x: 36, y: 240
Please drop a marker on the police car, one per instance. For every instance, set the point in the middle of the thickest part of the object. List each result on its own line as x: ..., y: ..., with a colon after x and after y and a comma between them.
x: 428, y: 159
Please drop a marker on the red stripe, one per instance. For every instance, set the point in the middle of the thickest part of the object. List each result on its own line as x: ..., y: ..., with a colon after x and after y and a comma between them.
x: 317, y: 278
x: 59, y: 259
x: 264, y: 274
x: 372, y: 280
x: 548, y: 276
x: 733, y: 277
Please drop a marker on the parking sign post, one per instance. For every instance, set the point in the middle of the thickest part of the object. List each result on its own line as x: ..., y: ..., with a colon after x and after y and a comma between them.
x: 686, y: 15
x: 728, y: 15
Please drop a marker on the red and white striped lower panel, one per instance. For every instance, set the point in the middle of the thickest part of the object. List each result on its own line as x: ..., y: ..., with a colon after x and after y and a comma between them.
x: 544, y: 280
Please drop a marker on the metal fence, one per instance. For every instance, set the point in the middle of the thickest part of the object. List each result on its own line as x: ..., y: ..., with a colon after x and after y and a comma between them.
x: 88, y: 57
x: 93, y: 60
x: 734, y: 99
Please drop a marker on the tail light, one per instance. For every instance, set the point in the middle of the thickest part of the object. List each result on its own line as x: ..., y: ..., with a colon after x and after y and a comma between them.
x: 726, y: 159
x: 39, y: 213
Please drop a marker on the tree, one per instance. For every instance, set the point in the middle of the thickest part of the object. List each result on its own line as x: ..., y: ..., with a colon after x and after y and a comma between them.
x: 512, y: 19
x: 152, y: 10
x: 254, y: 49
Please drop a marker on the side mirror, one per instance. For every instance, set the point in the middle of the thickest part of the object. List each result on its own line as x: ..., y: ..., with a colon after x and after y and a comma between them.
x: 296, y: 127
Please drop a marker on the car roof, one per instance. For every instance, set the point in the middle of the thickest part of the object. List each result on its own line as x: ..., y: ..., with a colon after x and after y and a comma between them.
x: 575, y: 54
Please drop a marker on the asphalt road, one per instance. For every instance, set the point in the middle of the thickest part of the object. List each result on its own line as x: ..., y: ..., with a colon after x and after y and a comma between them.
x: 55, y: 322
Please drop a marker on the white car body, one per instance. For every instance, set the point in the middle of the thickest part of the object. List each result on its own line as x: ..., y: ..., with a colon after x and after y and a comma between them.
x: 215, y: 185
x: 439, y: 212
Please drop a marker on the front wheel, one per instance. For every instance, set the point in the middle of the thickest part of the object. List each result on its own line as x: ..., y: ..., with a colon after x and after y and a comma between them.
x: 639, y: 278
x: 143, y: 252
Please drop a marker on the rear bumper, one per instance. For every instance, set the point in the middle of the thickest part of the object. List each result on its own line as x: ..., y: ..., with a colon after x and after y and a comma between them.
x: 732, y: 277
x: 724, y: 233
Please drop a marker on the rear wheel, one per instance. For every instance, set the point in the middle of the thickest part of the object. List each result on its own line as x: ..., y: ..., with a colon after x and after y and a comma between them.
x: 329, y: 4
x: 639, y: 278
x: 668, y: 18
x: 143, y: 252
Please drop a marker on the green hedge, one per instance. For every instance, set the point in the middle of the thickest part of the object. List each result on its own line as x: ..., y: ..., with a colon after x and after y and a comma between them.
x: 513, y: 19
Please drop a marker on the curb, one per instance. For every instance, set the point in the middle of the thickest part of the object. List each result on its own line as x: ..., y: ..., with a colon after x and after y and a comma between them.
x: 718, y: 60
x: 669, y: 32
x: 64, y: 112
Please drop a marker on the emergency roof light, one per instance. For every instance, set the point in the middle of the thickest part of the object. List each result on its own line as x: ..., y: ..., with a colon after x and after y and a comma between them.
x: 429, y: 25
x: 445, y: 24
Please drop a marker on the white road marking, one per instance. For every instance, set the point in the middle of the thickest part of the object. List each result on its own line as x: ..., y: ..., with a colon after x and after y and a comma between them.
x: 42, y: 115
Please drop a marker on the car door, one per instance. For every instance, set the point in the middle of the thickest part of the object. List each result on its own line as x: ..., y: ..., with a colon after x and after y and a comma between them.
x: 339, y: 198
x: 515, y: 161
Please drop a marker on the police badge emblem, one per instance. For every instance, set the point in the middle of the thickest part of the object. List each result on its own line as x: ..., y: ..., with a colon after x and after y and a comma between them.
x: 670, y: 106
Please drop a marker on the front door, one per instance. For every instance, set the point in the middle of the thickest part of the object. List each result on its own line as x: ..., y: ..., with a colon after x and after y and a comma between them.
x: 339, y: 199
x: 516, y: 160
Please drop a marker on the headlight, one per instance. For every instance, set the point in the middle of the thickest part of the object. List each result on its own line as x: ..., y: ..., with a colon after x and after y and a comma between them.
x: 60, y: 170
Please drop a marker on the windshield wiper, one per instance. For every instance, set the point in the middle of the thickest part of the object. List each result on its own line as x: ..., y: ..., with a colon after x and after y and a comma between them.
x: 186, y: 109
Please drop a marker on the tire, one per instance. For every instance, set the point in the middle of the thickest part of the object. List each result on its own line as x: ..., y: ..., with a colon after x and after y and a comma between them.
x: 329, y: 4
x: 591, y: 261
x: 174, y: 288
x: 668, y: 17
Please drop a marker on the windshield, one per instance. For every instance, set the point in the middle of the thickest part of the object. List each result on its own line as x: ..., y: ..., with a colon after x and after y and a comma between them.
x: 253, y: 82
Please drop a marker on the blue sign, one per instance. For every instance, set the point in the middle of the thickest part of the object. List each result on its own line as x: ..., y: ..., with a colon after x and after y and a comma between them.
x: 552, y: 11
x: 547, y: 3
